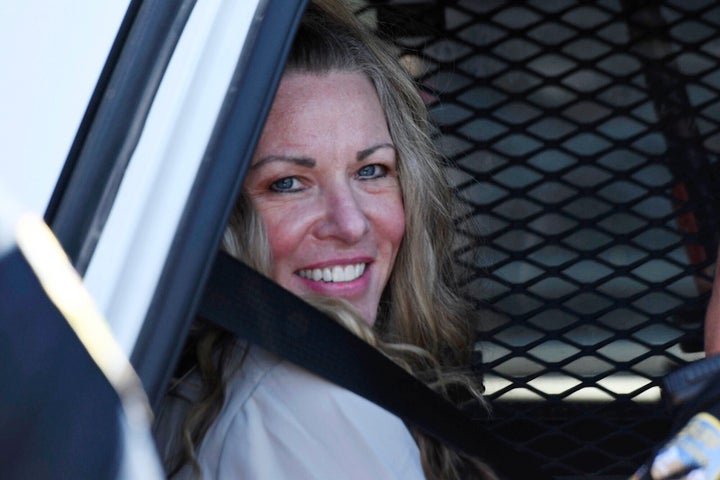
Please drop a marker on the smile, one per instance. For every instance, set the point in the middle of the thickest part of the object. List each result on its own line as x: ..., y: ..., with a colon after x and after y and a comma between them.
x: 336, y: 274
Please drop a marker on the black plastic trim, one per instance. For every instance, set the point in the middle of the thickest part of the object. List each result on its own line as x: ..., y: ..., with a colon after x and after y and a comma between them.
x: 113, y: 123
x: 91, y: 111
x: 218, y: 183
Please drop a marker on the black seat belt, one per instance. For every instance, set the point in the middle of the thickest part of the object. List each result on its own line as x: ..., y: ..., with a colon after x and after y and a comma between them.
x: 258, y: 310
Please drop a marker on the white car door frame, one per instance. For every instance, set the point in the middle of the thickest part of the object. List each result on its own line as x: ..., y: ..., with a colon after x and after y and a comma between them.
x: 159, y: 160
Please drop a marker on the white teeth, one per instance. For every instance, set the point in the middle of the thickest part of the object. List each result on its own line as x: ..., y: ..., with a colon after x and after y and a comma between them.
x: 336, y: 274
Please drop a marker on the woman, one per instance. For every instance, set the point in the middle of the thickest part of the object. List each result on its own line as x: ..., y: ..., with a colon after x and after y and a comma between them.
x: 344, y: 204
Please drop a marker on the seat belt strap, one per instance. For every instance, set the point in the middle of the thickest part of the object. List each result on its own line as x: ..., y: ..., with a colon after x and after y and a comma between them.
x: 256, y: 309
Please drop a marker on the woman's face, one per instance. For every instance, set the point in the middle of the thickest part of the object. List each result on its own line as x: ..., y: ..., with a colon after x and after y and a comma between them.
x: 324, y: 181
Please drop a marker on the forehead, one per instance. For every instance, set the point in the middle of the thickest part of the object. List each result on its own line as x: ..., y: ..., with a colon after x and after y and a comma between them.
x: 334, y: 84
x: 337, y: 106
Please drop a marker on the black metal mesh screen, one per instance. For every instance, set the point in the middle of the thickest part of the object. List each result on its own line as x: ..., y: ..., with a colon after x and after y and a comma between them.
x: 583, y: 139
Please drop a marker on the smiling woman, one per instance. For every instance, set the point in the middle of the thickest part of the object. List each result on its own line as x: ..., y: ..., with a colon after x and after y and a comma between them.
x: 346, y: 206
x: 327, y: 189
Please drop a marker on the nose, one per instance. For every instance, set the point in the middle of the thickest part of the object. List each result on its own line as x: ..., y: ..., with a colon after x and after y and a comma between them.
x: 344, y: 218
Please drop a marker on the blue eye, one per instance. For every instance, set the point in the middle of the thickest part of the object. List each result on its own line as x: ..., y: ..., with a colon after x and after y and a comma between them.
x: 287, y: 184
x: 372, y: 171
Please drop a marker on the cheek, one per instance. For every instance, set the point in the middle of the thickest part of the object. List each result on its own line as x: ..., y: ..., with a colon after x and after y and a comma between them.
x: 284, y: 228
x: 398, y: 231
x: 280, y: 246
x: 391, y: 224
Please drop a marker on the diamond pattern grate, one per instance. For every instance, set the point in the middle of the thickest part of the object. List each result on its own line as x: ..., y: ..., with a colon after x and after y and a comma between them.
x: 583, y: 141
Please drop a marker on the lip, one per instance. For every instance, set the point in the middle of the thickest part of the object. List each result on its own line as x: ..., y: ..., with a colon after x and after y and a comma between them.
x: 367, y: 260
x: 349, y: 290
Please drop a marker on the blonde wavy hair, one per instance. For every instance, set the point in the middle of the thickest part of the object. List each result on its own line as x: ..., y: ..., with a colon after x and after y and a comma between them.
x: 423, y: 323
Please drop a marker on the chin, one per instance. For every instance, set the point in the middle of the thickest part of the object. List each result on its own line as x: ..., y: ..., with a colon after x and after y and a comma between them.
x: 368, y: 314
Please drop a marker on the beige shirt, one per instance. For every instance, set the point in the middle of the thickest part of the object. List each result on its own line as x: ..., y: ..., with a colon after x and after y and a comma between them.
x: 279, y: 421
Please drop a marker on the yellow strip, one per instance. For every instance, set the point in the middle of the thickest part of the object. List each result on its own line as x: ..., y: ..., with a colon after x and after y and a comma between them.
x: 65, y: 288
x: 711, y: 419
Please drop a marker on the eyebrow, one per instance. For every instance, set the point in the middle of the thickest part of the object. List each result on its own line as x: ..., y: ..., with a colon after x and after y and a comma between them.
x: 301, y: 161
x: 310, y: 163
x: 363, y: 154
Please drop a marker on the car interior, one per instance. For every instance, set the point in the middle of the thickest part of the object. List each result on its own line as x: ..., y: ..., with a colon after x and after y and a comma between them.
x: 582, y: 139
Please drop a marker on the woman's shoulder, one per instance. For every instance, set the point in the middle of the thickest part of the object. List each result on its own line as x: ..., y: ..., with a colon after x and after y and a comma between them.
x: 281, y: 385
x: 264, y: 380
x: 280, y: 416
